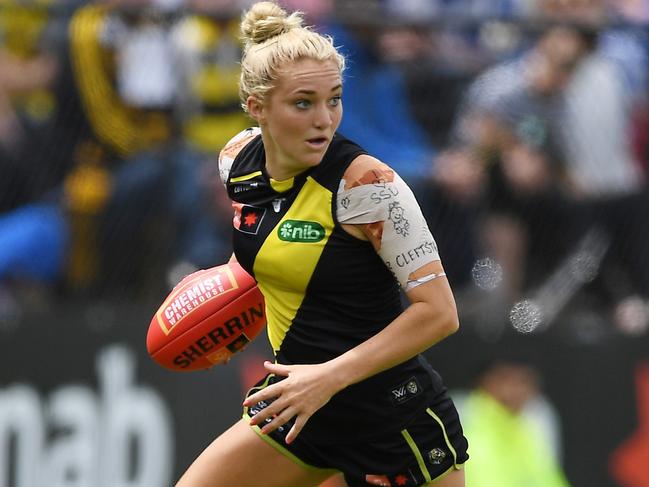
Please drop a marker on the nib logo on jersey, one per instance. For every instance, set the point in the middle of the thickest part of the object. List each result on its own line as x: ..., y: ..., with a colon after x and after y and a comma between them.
x: 300, y: 231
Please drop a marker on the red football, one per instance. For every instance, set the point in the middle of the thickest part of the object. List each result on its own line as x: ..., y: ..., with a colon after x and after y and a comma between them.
x: 209, y: 316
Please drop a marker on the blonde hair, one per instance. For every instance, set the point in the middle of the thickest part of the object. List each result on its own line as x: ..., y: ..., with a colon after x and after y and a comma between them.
x: 273, y: 38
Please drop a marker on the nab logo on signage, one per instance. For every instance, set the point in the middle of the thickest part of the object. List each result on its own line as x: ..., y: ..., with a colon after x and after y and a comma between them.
x: 300, y: 231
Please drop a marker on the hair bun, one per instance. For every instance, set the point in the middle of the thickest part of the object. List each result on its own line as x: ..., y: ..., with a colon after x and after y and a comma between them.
x: 266, y: 20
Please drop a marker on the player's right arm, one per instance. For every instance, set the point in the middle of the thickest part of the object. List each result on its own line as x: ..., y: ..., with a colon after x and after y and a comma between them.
x: 226, y: 159
x: 232, y: 149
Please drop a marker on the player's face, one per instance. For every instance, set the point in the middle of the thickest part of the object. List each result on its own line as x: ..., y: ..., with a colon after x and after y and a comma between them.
x: 300, y: 115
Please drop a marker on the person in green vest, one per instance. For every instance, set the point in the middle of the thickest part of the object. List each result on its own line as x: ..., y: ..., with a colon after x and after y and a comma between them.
x: 511, y: 443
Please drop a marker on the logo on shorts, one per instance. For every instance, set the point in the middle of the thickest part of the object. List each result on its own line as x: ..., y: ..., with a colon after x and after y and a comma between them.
x: 380, y: 480
x: 399, y: 480
x: 405, y: 391
x: 301, y: 231
x: 436, y: 456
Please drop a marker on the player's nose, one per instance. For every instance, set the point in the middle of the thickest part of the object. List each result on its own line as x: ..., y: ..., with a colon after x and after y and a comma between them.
x: 322, y: 117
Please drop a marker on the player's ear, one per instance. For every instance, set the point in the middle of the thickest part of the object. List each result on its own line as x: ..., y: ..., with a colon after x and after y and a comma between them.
x: 255, y: 108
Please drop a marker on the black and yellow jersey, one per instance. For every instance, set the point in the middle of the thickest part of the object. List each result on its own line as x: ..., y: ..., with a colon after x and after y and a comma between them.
x: 326, y: 291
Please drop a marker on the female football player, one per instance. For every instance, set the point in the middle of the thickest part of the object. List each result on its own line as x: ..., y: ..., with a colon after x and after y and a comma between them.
x: 330, y: 234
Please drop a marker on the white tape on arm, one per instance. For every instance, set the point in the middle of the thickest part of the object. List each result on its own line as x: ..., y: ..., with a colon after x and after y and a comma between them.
x: 232, y: 148
x: 413, y: 283
x: 358, y: 205
x: 225, y: 164
x: 406, y: 241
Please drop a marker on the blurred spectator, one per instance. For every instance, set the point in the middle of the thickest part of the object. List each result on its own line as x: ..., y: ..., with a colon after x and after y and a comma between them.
x: 605, y: 127
x: 30, y: 167
x: 378, y: 114
x: 623, y: 42
x: 598, y: 102
x: 137, y: 192
x: 27, y: 104
x: 511, y: 429
x: 208, y: 106
x: 544, y: 141
x: 623, y: 51
x: 127, y: 71
x: 208, y: 111
x: 110, y: 193
x: 504, y: 159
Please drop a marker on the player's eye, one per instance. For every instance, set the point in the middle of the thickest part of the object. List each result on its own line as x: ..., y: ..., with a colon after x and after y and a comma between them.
x: 303, y: 104
x: 335, y: 101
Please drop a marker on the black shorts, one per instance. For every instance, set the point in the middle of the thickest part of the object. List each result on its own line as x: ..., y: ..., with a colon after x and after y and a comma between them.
x: 430, y: 445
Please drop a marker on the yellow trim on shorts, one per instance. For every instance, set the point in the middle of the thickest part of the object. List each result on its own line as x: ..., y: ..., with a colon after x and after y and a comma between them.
x: 417, y: 453
x: 245, y: 177
x: 272, y: 442
x: 277, y: 446
x: 441, y: 425
x: 263, y: 385
x: 452, y: 468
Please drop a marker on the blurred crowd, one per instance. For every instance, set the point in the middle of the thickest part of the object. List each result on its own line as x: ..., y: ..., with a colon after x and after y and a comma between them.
x: 522, y: 126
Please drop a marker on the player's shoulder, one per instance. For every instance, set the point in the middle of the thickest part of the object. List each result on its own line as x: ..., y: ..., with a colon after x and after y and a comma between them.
x: 233, y: 148
x: 366, y: 169
x: 239, y: 141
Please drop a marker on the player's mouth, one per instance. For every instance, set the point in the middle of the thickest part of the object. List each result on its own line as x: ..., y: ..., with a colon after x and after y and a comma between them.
x: 317, y: 142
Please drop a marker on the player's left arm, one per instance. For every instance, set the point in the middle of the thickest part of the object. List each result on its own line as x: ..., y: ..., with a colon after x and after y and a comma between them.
x: 381, y: 206
x: 376, y: 206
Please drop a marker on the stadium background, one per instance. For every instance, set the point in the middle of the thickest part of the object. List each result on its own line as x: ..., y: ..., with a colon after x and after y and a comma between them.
x: 110, y: 118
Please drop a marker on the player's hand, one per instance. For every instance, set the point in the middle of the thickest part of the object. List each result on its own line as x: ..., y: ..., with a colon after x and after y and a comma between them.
x: 305, y: 390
